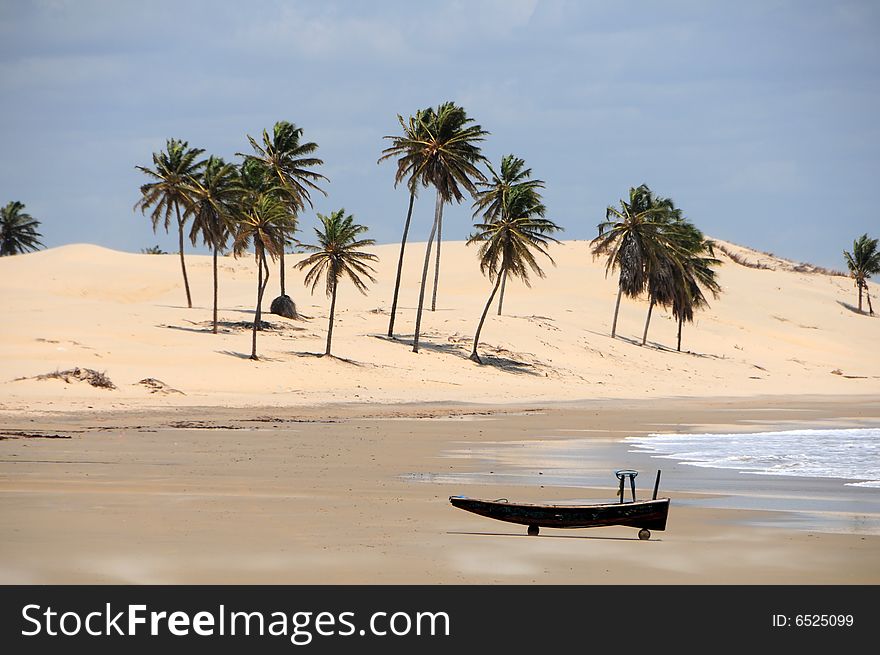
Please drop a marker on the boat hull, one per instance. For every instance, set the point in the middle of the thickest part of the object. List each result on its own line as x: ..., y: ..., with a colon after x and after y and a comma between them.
x: 647, y: 514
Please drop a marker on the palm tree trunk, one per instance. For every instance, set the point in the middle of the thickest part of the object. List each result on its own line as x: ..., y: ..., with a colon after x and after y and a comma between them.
x: 189, y: 301
x: 412, y: 197
x: 265, y: 276
x: 868, y: 296
x: 648, y: 321
x: 438, y: 208
x: 437, y: 263
x: 215, y: 289
x: 860, y: 296
x: 474, y: 355
x: 332, y: 311
x: 281, y: 272
x: 616, y: 309
x: 680, y: 321
x: 260, y: 286
x: 501, y: 295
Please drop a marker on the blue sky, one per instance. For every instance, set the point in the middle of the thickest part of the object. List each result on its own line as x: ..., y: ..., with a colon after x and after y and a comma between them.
x: 760, y: 119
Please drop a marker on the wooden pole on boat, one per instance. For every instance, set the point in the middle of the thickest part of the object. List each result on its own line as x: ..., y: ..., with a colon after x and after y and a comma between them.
x: 632, y: 484
x: 656, y: 484
x: 621, y: 488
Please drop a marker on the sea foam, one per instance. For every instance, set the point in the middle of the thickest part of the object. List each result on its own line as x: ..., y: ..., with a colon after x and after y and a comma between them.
x: 847, y: 454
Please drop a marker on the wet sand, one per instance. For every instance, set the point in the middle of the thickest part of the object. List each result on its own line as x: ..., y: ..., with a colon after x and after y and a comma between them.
x: 355, y: 494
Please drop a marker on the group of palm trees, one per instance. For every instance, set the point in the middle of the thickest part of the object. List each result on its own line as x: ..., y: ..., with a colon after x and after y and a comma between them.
x: 863, y: 262
x: 440, y: 147
x: 18, y: 230
x: 646, y: 239
x: 659, y: 252
x: 255, y: 204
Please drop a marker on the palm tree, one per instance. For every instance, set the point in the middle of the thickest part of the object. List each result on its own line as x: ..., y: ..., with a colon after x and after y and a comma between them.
x: 18, y: 230
x: 215, y: 193
x: 337, y: 255
x: 632, y: 238
x: 173, y: 168
x: 410, y: 165
x: 264, y: 220
x: 863, y: 262
x: 697, y: 274
x: 664, y: 272
x: 450, y: 157
x: 290, y: 161
x: 490, y: 200
x: 508, y: 245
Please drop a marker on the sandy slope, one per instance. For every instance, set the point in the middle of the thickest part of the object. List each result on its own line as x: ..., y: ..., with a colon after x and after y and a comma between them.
x: 772, y: 332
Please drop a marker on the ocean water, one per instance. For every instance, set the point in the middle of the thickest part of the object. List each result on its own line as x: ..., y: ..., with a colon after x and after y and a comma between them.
x: 846, y: 454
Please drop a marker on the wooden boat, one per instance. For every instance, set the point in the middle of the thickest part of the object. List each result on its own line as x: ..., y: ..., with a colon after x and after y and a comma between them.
x: 646, y: 515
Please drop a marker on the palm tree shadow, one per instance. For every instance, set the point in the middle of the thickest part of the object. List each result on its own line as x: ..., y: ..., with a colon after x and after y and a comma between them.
x: 454, y: 348
x: 262, y: 358
x: 299, y: 317
x: 231, y: 327
x: 333, y: 357
x: 545, y: 536
x: 407, y: 340
x: 200, y: 330
x: 853, y: 309
x: 511, y: 365
x: 663, y: 348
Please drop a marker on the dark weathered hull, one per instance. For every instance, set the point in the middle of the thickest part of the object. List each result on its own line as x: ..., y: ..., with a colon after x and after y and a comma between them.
x: 647, y: 514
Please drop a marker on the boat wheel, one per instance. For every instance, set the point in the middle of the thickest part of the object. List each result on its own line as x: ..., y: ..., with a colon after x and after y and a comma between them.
x: 533, y: 530
x: 644, y: 534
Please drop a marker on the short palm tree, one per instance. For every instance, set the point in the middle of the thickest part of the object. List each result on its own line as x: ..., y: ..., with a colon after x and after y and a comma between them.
x: 863, y: 262
x: 290, y: 161
x: 18, y: 230
x: 447, y: 147
x: 172, y: 169
x: 410, y: 166
x: 490, y: 199
x: 264, y: 220
x: 338, y: 255
x: 216, y: 193
x: 632, y: 239
x: 509, y: 244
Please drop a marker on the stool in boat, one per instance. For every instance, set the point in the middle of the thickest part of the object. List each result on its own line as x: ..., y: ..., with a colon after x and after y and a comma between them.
x: 622, y: 475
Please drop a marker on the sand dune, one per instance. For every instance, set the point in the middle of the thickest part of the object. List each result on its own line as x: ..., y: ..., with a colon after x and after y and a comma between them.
x: 773, y: 331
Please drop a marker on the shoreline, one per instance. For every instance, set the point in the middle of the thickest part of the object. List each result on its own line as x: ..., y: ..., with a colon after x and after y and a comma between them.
x: 317, y: 495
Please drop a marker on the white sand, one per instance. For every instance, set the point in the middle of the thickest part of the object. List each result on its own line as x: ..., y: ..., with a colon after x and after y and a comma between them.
x: 771, y: 332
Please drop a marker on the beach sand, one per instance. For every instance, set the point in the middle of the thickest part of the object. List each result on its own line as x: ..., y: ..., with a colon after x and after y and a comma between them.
x: 301, y: 469
x: 345, y: 494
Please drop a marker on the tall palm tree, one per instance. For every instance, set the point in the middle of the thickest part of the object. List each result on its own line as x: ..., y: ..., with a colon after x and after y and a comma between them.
x: 173, y: 168
x: 664, y: 273
x: 291, y: 161
x: 490, y: 200
x: 264, y: 220
x: 336, y: 256
x: 698, y: 274
x: 451, y: 154
x: 632, y: 238
x: 216, y: 193
x: 410, y: 166
x: 863, y: 262
x: 18, y: 230
x: 508, y: 245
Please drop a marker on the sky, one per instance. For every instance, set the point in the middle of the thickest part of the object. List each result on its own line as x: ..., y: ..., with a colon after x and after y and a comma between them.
x: 758, y: 118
